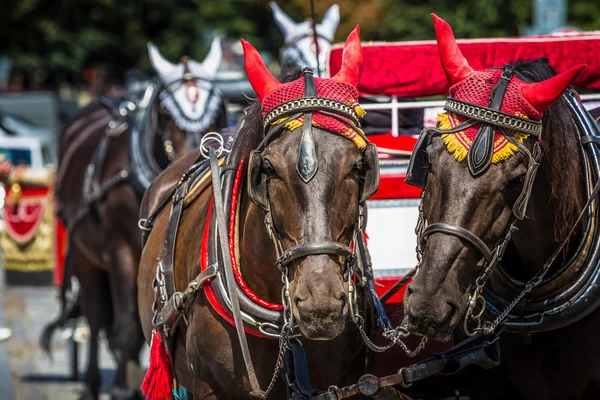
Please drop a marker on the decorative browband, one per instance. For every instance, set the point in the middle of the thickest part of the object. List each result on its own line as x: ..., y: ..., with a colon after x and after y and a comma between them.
x: 298, y: 105
x: 493, y: 117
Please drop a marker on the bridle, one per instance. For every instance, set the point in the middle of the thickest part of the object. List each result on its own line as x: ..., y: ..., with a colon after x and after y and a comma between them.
x: 193, y: 128
x: 479, y: 159
x: 291, y: 52
x: 306, y: 167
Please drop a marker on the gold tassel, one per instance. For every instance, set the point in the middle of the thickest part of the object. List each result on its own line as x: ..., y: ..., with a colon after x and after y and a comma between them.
x: 360, y: 111
x: 460, y: 153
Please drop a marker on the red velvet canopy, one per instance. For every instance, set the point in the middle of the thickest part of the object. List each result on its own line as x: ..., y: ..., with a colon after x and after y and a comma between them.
x: 410, y: 69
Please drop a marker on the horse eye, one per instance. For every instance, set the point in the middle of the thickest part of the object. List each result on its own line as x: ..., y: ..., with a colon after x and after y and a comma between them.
x: 358, y: 169
x: 269, y: 169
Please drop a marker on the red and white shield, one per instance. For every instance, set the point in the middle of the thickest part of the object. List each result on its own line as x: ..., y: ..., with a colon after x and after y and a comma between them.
x: 23, y: 219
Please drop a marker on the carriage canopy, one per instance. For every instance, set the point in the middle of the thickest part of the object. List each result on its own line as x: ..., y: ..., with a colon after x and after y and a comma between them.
x: 410, y: 69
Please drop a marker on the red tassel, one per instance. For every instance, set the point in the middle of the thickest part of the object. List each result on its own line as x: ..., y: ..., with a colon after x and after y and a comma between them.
x: 158, y: 382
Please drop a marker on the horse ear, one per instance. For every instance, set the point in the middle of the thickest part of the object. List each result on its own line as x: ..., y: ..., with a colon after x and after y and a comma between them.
x: 212, y: 61
x: 259, y: 76
x: 454, y: 63
x: 209, y: 67
x: 330, y: 22
x: 166, y: 70
x: 351, y: 59
x: 284, y: 22
x: 257, y: 182
x: 541, y: 95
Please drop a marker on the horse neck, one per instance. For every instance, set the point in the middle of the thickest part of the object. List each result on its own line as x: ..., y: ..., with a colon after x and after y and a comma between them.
x: 536, y: 239
x: 257, y: 253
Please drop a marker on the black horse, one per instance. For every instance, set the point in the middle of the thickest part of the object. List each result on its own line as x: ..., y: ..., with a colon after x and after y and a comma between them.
x: 497, y: 243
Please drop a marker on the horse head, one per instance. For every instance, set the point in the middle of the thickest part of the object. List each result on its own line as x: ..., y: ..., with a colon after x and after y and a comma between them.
x: 299, y: 41
x: 477, y: 169
x: 189, y: 95
x: 311, y: 178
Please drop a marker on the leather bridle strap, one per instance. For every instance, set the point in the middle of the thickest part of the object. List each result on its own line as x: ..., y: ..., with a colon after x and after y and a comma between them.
x: 229, y: 276
x: 313, y: 249
x: 460, y: 233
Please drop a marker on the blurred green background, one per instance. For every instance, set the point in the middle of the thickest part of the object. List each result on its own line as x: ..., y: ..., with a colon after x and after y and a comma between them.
x: 50, y: 41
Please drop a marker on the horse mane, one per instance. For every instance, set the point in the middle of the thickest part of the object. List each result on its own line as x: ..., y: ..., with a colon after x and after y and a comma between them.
x: 250, y: 131
x: 562, y: 159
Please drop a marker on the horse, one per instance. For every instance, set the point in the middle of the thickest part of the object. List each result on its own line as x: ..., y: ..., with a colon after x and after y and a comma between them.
x: 507, y: 233
x: 293, y: 204
x: 108, y: 155
x: 300, y: 46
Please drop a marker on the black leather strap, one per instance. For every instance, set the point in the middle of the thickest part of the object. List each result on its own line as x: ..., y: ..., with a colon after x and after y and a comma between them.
x: 296, y: 372
x: 315, y: 248
x: 365, y: 261
x: 168, y: 252
x: 589, y: 139
x: 479, y: 157
x: 460, y: 233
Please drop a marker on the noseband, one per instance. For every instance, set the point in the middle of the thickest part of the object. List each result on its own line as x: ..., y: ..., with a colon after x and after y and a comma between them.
x: 479, y: 159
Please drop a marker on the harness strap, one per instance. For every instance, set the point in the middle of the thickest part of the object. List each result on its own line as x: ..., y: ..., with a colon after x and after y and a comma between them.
x: 481, y: 151
x: 365, y: 261
x: 314, y: 248
x: 230, y: 278
x: 461, y: 233
x: 168, y: 253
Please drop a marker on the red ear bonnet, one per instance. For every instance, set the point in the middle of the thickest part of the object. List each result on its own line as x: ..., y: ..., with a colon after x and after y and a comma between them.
x: 259, y: 76
x: 342, y: 88
x: 541, y: 95
x: 454, y: 63
x: 521, y: 99
x: 352, y: 59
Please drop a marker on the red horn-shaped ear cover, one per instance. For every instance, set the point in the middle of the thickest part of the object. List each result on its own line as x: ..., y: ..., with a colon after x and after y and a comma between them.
x: 352, y: 59
x: 541, y: 95
x: 259, y: 76
x: 454, y: 63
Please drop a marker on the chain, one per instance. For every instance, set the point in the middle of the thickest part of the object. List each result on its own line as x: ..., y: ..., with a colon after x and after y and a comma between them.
x: 283, y: 340
x: 490, y: 327
x: 395, y: 336
x: 286, y: 330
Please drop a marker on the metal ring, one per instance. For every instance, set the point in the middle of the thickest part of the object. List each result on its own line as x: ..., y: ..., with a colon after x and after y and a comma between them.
x: 212, y: 137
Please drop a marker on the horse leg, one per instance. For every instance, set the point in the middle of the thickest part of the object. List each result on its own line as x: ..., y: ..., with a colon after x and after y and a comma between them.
x: 127, y: 334
x: 94, y: 293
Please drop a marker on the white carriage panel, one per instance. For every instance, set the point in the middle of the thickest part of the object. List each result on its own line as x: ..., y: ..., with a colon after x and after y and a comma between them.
x: 391, y: 231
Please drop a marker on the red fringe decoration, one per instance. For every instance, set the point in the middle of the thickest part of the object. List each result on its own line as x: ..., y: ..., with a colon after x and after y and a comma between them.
x: 158, y: 382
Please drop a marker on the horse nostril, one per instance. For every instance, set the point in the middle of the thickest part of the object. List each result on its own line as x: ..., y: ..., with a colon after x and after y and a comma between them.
x: 453, y: 310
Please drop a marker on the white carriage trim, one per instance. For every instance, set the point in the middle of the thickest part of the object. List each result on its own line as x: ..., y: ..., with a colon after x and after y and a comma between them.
x: 589, y: 102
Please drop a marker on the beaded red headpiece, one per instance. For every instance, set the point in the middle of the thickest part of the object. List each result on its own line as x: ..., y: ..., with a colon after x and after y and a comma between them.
x: 526, y: 100
x: 341, y: 88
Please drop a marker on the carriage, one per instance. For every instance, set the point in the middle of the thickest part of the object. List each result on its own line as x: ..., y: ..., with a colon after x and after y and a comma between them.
x: 395, y: 200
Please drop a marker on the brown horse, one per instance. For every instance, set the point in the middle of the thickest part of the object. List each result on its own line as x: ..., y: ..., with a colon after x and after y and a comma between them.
x: 100, y: 183
x: 309, y: 201
x: 533, y: 269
